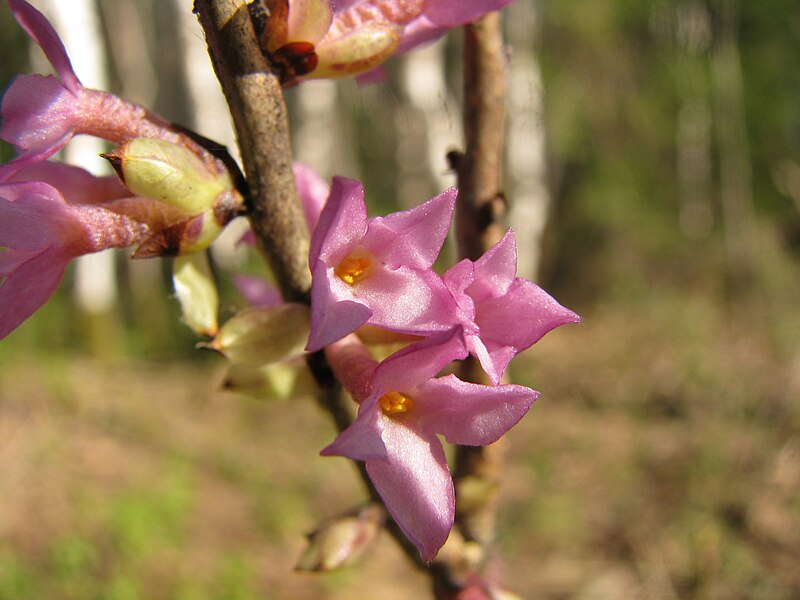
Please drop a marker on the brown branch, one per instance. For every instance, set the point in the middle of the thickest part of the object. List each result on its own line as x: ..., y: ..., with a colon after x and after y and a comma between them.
x: 481, y: 204
x: 480, y: 211
x: 255, y: 98
x: 259, y: 114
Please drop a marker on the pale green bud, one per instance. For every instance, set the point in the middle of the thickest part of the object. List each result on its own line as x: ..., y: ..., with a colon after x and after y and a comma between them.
x: 168, y: 172
x: 196, y: 292
x: 278, y: 381
x: 259, y: 336
x: 175, y: 176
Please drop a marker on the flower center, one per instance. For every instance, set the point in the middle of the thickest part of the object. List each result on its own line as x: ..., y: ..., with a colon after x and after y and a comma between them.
x: 395, y: 403
x: 353, y: 269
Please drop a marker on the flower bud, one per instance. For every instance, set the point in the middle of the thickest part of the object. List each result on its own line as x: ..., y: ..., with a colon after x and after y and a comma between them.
x: 197, y: 293
x: 342, y: 541
x: 279, y: 381
x: 172, y: 174
x: 357, y: 51
x: 168, y: 172
x: 259, y: 336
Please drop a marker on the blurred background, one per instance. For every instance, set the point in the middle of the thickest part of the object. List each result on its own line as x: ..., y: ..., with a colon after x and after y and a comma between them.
x: 653, y: 177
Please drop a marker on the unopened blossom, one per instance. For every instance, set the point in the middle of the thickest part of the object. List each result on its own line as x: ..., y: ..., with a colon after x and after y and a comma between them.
x: 204, y: 199
x: 40, y: 232
x: 402, y: 413
x: 501, y: 314
x: 377, y: 271
x: 340, y: 38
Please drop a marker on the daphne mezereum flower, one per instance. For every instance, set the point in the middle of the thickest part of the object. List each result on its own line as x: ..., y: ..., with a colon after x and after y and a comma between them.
x: 401, y: 414
x: 41, y: 231
x: 41, y: 113
x: 340, y: 38
x: 501, y: 314
x: 377, y: 271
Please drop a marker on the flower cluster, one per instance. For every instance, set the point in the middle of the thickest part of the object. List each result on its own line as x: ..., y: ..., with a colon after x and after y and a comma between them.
x: 378, y: 272
x: 173, y: 197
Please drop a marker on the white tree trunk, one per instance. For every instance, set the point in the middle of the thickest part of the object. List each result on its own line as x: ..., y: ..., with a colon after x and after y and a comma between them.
x: 527, y: 160
x: 79, y: 25
x: 428, y: 126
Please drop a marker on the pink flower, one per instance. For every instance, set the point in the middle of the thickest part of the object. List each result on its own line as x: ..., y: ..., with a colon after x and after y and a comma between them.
x: 318, y: 38
x: 40, y: 232
x: 396, y: 432
x: 377, y: 271
x: 313, y: 192
x: 501, y: 315
x: 41, y: 113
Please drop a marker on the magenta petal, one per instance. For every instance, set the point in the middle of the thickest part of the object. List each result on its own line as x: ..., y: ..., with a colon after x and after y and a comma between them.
x: 362, y: 440
x: 40, y: 29
x: 342, y: 223
x: 32, y: 217
x: 420, y: 31
x: 76, y: 185
x: 28, y: 287
x: 457, y: 279
x: 331, y: 317
x: 413, y: 237
x: 495, y: 270
x: 493, y: 363
x: 470, y: 414
x: 12, y: 259
x: 522, y: 316
x: 31, y: 157
x: 313, y: 192
x: 420, y: 361
x: 414, y: 482
x: 38, y: 112
x: 407, y: 300
x: 459, y: 12
x: 257, y: 291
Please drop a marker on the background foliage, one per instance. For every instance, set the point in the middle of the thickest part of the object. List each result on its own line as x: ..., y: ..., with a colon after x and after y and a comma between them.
x: 663, y: 459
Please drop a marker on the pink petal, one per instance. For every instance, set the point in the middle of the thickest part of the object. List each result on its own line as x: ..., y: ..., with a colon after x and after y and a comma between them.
x: 392, y: 11
x: 42, y: 32
x: 414, y: 237
x: 406, y: 300
x: 457, y: 279
x: 28, y: 287
x: 12, y: 259
x: 342, y: 223
x: 493, y: 362
x: 470, y: 414
x: 38, y: 113
x: 362, y: 440
x: 495, y: 270
x: 257, y: 291
x: 76, y: 185
x: 415, y: 364
x: 458, y: 12
x: 415, y: 484
x: 331, y: 317
x: 420, y: 31
x: 33, y: 216
x: 522, y: 316
x: 31, y: 157
x: 313, y: 192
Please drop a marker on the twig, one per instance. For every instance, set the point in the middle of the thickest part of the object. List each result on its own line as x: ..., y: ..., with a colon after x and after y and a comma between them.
x: 259, y: 115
